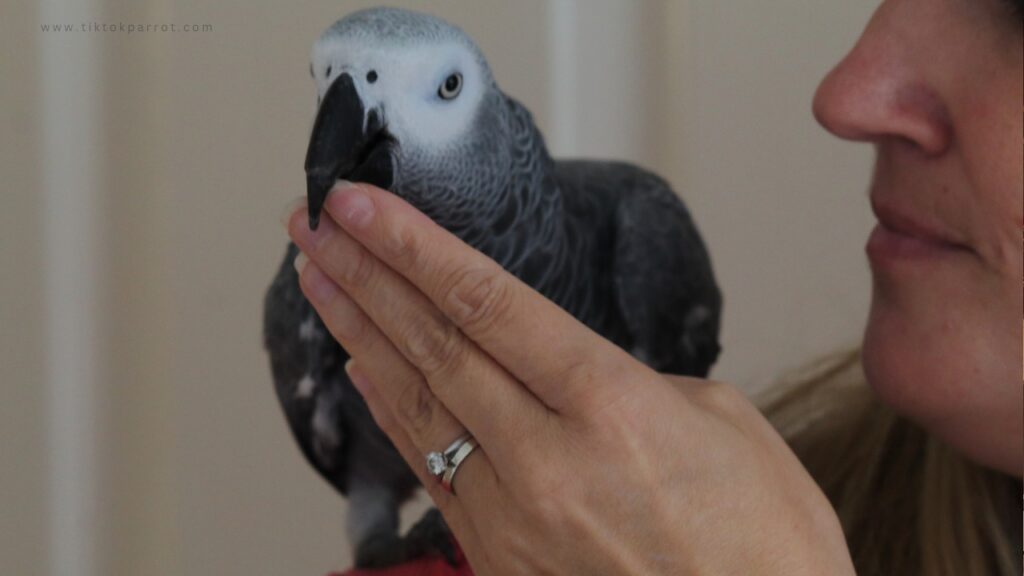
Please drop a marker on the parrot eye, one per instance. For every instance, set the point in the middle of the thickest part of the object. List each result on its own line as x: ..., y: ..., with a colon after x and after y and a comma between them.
x: 451, y: 87
x: 371, y: 76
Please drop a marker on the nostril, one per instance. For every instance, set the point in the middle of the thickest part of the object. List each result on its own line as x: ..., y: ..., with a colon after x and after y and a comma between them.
x: 873, y: 95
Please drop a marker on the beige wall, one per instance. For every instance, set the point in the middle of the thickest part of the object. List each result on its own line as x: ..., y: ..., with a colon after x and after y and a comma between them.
x: 23, y: 457
x: 783, y: 204
x: 200, y: 142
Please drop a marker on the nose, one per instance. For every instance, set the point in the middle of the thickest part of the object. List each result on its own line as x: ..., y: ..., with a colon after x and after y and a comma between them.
x: 882, y: 90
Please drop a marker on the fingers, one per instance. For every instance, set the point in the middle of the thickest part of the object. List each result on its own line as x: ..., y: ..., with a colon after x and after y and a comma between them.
x: 432, y: 368
x: 406, y: 407
x: 535, y: 340
x: 426, y: 420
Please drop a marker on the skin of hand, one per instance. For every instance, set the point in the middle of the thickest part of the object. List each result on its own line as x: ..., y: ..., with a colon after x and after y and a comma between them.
x: 588, y: 461
x: 936, y: 86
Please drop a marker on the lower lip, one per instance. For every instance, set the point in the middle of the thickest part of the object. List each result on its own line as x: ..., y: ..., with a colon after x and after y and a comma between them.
x: 886, y: 245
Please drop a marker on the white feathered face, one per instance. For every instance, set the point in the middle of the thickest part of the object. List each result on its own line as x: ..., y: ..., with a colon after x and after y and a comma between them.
x: 406, y: 103
x: 428, y: 94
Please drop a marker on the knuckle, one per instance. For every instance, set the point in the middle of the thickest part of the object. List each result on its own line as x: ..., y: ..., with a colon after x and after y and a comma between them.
x: 433, y: 345
x: 541, y: 487
x: 347, y: 323
x: 582, y: 369
x: 721, y: 398
x: 402, y: 245
x: 545, y: 501
x: 416, y: 407
x: 358, y: 269
x: 387, y: 422
x: 478, y: 299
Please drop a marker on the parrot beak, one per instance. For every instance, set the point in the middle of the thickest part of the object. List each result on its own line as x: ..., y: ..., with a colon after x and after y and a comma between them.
x: 346, y: 144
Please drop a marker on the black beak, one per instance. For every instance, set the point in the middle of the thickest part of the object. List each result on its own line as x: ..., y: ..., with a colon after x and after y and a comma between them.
x: 345, y: 143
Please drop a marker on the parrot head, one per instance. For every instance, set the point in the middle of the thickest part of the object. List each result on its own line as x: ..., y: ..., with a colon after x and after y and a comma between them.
x: 403, y: 100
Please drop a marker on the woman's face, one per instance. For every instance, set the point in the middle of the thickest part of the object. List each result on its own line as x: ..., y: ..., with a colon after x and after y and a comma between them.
x: 938, y: 87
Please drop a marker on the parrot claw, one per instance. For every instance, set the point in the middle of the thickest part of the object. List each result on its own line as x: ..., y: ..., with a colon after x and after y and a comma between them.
x: 430, y: 535
x: 380, y: 551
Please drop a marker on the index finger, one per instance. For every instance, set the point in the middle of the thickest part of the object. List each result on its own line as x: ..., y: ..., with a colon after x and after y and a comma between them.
x: 543, y: 346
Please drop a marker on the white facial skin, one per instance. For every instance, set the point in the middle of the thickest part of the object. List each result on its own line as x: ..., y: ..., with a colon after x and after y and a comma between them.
x: 408, y: 80
x: 938, y: 86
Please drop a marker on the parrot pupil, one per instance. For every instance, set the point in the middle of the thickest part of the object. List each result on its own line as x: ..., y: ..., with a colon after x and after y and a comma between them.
x: 450, y: 89
x: 371, y: 76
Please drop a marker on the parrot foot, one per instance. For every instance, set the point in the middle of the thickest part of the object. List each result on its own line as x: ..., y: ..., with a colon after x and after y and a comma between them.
x: 430, y: 535
x: 380, y: 551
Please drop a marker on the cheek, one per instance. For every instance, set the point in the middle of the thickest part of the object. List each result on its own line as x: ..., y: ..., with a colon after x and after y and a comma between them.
x: 943, y: 348
x: 992, y: 149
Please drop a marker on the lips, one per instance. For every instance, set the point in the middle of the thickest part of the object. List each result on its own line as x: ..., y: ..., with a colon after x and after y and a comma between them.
x: 902, y: 233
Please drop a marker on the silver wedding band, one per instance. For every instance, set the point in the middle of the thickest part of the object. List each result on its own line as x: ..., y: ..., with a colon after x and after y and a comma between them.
x: 464, y: 450
x: 445, y: 464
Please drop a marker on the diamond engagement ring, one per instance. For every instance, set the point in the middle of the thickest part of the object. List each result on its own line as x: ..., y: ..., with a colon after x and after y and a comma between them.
x: 444, y: 464
x: 438, y: 461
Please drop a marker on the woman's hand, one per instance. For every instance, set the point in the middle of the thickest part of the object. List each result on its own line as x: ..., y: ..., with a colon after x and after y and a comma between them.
x: 588, y: 461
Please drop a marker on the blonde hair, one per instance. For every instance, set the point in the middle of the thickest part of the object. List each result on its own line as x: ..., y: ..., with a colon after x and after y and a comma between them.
x: 908, y: 504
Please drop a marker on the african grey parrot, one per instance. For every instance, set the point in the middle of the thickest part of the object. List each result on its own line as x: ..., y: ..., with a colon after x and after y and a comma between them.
x: 407, y: 102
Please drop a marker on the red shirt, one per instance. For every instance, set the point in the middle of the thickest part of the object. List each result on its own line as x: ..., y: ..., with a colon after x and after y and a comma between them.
x: 426, y: 566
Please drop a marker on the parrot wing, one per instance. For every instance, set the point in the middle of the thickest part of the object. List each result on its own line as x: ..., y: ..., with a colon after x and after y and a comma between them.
x: 662, y: 278
x: 309, y: 376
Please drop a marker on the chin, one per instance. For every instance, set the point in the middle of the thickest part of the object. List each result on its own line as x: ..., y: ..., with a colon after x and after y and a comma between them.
x: 895, y: 364
x: 947, y: 369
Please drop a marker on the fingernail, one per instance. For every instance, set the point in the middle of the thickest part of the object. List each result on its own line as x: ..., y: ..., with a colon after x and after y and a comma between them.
x: 290, y: 208
x: 356, y: 376
x: 300, y: 262
x: 354, y: 206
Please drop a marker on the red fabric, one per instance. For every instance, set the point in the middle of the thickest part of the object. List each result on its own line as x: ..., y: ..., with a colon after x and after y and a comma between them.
x: 426, y: 566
